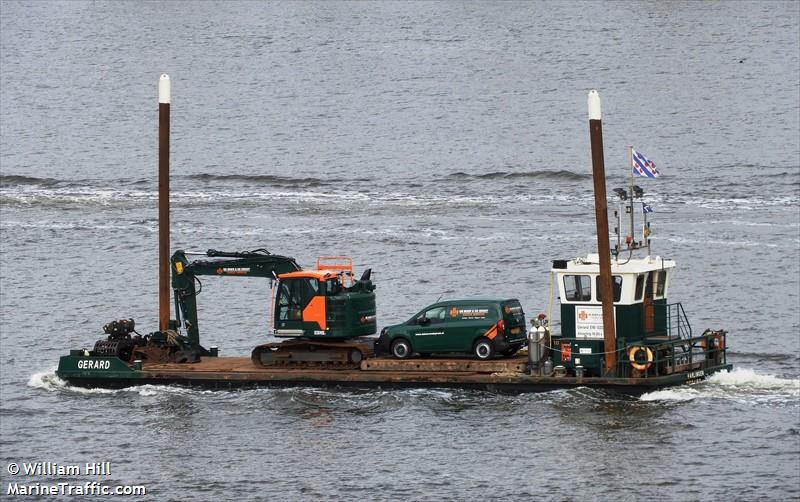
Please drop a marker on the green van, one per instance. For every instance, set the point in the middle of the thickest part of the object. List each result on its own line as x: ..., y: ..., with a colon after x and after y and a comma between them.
x: 483, y: 327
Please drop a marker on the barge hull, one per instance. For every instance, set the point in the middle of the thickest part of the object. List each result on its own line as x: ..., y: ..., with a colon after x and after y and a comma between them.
x: 233, y: 373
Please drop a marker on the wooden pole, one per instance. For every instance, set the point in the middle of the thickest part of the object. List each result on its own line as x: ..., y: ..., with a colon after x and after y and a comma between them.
x: 601, y: 214
x: 163, y: 202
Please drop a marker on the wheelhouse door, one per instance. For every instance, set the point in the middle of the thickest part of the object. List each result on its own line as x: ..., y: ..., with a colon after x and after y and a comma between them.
x: 649, y: 310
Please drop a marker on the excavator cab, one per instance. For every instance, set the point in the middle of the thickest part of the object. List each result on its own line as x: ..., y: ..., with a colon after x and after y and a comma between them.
x: 319, y: 304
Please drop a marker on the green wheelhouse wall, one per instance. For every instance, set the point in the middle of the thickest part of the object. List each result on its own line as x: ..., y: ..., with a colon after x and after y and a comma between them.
x: 629, y: 319
x: 629, y: 328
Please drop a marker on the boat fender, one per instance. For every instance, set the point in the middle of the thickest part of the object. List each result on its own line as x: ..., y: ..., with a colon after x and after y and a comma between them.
x: 641, y: 358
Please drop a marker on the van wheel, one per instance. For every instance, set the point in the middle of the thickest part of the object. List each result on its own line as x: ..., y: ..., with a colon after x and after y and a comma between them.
x: 401, y: 349
x: 483, y: 349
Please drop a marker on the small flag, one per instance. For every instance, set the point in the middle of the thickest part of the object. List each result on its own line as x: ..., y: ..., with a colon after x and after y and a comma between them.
x: 646, y: 209
x: 642, y: 166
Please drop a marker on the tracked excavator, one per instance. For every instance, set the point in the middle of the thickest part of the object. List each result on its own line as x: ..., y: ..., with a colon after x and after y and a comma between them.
x: 323, y: 313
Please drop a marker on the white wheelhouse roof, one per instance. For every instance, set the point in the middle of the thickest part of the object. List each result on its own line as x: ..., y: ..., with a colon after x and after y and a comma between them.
x: 591, y: 265
x: 631, y: 272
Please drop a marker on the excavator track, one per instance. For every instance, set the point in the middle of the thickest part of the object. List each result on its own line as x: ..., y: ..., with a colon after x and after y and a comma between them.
x: 313, y: 354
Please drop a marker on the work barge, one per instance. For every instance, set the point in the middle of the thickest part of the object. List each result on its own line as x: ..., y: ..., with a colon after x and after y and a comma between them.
x: 618, y: 330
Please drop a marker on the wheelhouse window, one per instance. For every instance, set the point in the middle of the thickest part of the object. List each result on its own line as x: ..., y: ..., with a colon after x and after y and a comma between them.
x: 616, y: 285
x: 578, y: 288
x: 660, y: 279
x: 641, y: 280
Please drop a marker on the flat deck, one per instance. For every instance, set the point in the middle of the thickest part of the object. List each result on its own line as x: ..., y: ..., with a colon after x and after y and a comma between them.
x: 505, y: 375
x: 436, y: 365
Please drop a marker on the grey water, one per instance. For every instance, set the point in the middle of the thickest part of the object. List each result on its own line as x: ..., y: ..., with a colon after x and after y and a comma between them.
x: 444, y: 145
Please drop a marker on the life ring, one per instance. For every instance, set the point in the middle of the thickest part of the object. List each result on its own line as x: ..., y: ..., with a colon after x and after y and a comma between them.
x: 637, y: 363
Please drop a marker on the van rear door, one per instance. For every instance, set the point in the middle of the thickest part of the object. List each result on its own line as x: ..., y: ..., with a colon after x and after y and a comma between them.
x: 514, y: 320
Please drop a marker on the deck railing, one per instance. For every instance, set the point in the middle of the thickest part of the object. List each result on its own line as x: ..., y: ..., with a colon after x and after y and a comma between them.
x: 676, y: 323
x: 677, y: 355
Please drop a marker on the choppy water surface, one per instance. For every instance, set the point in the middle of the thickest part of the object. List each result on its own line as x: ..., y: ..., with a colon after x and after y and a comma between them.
x: 444, y: 145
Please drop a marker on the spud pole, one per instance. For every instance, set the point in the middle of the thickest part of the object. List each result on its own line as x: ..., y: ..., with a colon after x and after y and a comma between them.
x: 163, y: 201
x: 601, y: 215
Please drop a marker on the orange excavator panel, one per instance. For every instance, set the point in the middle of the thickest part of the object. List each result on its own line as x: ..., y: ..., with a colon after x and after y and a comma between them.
x: 315, y: 312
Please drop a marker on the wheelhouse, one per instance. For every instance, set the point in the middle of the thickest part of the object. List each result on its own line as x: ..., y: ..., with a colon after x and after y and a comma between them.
x: 641, y: 308
x: 641, y: 288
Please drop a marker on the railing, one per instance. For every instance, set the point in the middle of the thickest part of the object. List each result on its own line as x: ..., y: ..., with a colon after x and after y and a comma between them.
x: 675, y: 321
x: 342, y: 264
x: 675, y: 356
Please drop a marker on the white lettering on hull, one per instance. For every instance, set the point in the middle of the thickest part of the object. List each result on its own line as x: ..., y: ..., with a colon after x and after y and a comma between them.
x: 92, y: 364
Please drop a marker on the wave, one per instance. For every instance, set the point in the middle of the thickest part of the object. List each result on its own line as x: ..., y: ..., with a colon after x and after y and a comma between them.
x: 548, y: 174
x: 271, y: 179
x: 741, y: 384
x: 49, y: 381
x: 747, y: 378
x: 683, y: 393
x: 12, y: 180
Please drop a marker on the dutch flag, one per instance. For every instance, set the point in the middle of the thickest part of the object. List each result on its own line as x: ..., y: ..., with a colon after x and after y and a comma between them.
x: 642, y: 166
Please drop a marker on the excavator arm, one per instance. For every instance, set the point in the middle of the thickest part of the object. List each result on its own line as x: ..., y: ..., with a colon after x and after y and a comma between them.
x: 257, y: 263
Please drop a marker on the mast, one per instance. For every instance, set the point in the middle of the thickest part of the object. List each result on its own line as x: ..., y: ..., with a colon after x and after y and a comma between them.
x: 163, y: 202
x: 601, y: 215
x: 630, y: 202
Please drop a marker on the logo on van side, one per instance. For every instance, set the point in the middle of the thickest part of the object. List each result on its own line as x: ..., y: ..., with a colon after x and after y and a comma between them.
x: 469, y: 313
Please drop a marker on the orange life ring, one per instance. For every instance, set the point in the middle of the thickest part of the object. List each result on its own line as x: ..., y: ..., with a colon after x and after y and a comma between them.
x: 720, y: 345
x: 636, y: 364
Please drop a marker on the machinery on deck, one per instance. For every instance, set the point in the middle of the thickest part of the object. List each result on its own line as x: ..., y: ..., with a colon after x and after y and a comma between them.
x: 322, y: 311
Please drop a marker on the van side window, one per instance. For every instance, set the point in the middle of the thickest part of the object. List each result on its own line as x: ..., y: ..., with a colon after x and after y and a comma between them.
x: 435, y: 315
x: 616, y: 285
x: 578, y: 288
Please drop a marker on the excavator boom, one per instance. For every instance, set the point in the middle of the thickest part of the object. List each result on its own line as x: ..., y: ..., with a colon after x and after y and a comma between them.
x: 258, y: 263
